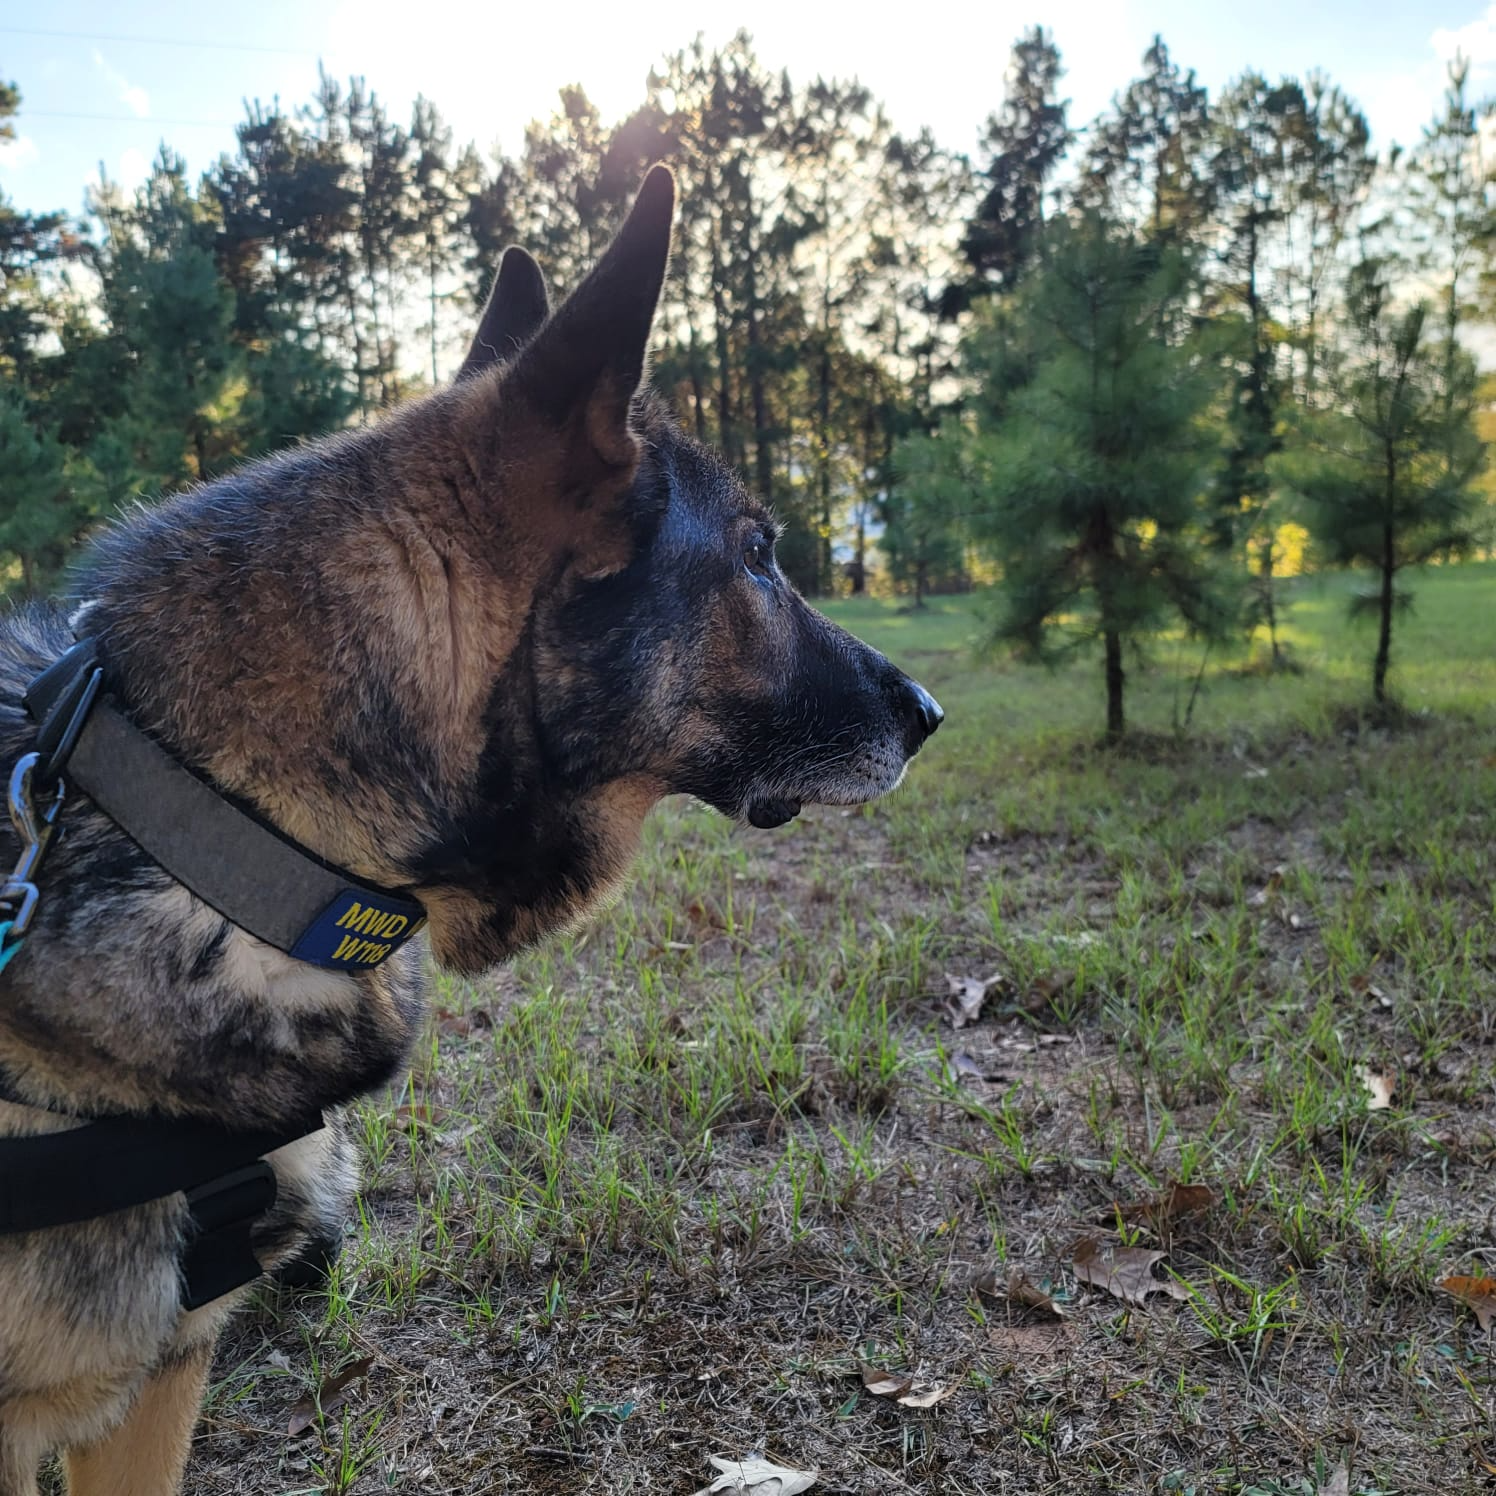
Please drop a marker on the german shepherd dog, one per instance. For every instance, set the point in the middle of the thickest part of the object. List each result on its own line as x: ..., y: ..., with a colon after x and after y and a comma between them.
x: 460, y: 653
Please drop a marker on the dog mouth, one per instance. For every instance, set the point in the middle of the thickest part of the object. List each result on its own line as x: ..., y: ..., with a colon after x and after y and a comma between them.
x: 769, y: 811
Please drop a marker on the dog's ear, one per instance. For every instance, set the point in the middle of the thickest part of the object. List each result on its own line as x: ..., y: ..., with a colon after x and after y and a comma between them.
x: 516, y: 311
x: 586, y: 364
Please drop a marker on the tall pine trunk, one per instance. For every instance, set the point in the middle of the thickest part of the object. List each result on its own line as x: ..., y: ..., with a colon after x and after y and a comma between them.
x: 1384, y: 637
x: 693, y: 364
x: 823, y: 469
x: 359, y: 370
x: 859, y: 555
x: 431, y: 282
x: 381, y: 369
x: 1264, y: 418
x: 1115, y: 676
x: 389, y: 301
x: 1102, y: 544
x: 726, y: 434
x: 763, y: 454
x: 1269, y: 598
x: 694, y: 359
x: 763, y: 451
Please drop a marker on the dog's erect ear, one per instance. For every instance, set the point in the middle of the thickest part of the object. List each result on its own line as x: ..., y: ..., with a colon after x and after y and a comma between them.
x: 587, y: 363
x: 516, y: 311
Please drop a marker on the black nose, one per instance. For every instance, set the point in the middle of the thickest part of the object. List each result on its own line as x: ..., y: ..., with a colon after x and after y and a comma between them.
x: 927, y: 713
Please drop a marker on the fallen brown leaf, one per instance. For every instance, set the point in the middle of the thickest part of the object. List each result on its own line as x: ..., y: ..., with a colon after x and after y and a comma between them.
x: 1477, y: 1294
x: 1380, y: 1084
x: 926, y: 1398
x: 1177, y: 1201
x: 1126, y: 1272
x: 885, y: 1383
x: 902, y: 1388
x: 329, y: 1397
x: 984, y: 1285
x: 1022, y: 1290
x: 417, y: 1114
x: 965, y: 997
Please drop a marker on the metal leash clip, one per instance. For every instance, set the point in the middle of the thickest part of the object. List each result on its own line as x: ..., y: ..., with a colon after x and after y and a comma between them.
x: 34, y: 827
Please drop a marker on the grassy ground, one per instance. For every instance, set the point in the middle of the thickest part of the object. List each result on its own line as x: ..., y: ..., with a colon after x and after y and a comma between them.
x: 658, y: 1192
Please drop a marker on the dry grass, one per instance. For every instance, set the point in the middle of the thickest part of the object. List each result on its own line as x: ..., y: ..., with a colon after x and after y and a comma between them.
x: 658, y: 1192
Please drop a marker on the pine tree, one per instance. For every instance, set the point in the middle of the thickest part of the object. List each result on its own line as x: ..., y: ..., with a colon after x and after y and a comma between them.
x: 438, y: 202
x: 1388, y: 470
x: 923, y: 514
x: 269, y: 200
x: 1093, y: 474
x: 1453, y: 204
x: 1450, y: 184
x: 1026, y: 141
x: 489, y: 224
x: 325, y: 248
x: 38, y: 517
x: 921, y: 193
x: 1336, y: 169
x: 164, y: 298
x: 1261, y: 142
x: 564, y: 213
x: 1149, y: 160
x: 28, y: 241
x: 836, y: 135
x: 380, y: 158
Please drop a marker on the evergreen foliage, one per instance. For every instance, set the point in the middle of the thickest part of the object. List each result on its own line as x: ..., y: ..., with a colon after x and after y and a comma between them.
x: 1095, y: 470
x: 1388, y: 468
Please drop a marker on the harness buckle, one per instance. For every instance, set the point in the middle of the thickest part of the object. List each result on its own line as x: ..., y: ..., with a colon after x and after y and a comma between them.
x: 219, y: 1257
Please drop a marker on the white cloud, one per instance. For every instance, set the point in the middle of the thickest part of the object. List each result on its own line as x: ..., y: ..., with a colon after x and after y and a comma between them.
x: 1476, y: 40
x: 133, y: 97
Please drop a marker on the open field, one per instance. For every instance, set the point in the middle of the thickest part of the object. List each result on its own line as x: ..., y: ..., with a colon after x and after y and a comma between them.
x: 656, y: 1192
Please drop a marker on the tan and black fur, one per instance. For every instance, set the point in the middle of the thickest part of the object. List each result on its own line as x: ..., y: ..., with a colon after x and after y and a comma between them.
x: 462, y: 653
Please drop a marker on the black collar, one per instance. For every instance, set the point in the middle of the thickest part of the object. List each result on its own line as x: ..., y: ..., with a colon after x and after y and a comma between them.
x: 254, y: 876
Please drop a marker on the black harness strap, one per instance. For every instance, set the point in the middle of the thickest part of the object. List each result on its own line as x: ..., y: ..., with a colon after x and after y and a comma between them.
x: 114, y: 1163
x: 249, y: 872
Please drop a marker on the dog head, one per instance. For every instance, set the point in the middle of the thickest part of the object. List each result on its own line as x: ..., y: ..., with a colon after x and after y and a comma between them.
x: 665, y: 651
x: 466, y: 650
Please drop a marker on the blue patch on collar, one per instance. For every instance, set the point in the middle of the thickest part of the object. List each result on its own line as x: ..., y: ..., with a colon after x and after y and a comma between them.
x: 358, y: 930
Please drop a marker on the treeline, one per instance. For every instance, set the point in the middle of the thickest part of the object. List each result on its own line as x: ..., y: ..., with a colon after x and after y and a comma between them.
x: 1107, y: 362
x: 328, y: 267
x: 1228, y: 331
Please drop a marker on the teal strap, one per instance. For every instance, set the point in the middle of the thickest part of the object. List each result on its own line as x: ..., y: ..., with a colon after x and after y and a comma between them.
x: 8, y: 947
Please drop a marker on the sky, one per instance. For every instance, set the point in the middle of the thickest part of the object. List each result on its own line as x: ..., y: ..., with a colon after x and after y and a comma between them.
x: 103, y: 83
